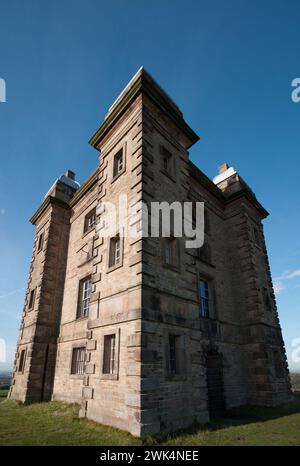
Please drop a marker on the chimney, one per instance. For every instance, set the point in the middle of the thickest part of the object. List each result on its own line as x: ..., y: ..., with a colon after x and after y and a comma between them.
x: 223, y: 168
x: 70, y: 174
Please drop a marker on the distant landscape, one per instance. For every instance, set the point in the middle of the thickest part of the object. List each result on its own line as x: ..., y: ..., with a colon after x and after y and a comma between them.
x: 5, y: 378
x: 295, y: 379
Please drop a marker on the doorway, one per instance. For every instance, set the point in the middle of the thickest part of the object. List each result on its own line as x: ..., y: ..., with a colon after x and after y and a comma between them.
x: 215, y: 388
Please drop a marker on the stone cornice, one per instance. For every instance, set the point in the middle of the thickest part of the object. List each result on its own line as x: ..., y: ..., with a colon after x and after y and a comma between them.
x: 50, y: 200
x: 246, y: 193
x: 206, y: 182
x: 198, y: 175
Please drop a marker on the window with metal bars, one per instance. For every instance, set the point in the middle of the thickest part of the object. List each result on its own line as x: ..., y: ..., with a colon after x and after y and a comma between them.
x: 204, y: 298
x: 109, y: 354
x: 85, y: 287
x: 78, y: 361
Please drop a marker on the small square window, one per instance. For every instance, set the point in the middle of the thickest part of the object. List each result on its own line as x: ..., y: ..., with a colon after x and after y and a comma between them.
x: 204, y: 299
x: 40, y: 242
x: 78, y: 361
x: 90, y: 220
x: 118, y: 163
x: 85, y: 287
x: 115, y: 251
x: 31, y: 299
x: 22, y: 361
x: 109, y: 354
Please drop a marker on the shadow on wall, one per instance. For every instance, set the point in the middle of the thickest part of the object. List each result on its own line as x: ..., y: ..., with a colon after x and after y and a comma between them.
x: 236, y: 417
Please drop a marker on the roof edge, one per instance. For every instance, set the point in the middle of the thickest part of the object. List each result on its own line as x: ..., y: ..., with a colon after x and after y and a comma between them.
x: 49, y: 200
x: 142, y: 82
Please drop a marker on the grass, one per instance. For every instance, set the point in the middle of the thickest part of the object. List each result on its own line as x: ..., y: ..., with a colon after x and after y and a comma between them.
x: 56, y: 423
x: 3, y: 394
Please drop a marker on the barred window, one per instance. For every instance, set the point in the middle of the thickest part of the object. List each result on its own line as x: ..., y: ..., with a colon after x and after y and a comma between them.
x: 109, y: 354
x: 90, y: 220
x: 78, y: 361
x: 85, y: 287
x: 204, y: 298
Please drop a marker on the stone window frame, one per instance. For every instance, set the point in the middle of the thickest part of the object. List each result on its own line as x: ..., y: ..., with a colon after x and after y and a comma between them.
x: 31, y: 299
x: 40, y: 242
x: 91, y: 213
x: 181, y: 355
x: 115, y: 266
x: 164, y: 151
x: 22, y: 352
x: 122, y: 146
x: 117, y: 333
x: 213, y: 315
x: 74, y: 347
x: 85, y: 278
x: 267, y: 301
x: 256, y: 234
x: 175, y: 267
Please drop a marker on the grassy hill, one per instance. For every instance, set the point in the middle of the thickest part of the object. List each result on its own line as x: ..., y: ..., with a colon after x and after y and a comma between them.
x: 56, y: 423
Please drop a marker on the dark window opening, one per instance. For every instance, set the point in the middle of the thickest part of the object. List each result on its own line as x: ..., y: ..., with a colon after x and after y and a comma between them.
x: 109, y: 354
x: 167, y: 161
x: 22, y: 361
x: 31, y: 299
x: 171, y: 251
x: 40, y: 242
x: 173, y: 356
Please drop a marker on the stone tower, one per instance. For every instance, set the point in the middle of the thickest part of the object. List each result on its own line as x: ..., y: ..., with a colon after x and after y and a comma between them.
x: 145, y: 334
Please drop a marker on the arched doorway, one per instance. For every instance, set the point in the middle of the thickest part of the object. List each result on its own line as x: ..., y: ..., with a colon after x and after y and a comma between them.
x: 215, y: 388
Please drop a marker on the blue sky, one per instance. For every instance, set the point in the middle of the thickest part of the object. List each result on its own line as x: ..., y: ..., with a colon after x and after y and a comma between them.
x: 228, y: 65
